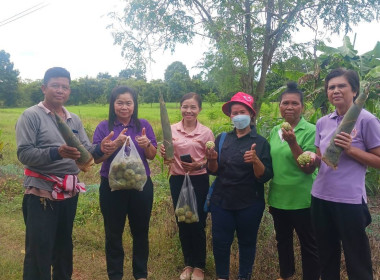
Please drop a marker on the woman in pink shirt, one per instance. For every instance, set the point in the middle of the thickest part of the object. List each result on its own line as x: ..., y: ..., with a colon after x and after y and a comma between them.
x: 190, y: 137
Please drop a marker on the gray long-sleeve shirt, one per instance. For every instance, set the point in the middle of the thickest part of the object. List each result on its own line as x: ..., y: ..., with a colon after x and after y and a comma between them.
x: 38, y: 140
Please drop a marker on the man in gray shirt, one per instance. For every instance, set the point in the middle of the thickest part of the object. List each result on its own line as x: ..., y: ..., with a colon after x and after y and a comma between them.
x: 42, y: 150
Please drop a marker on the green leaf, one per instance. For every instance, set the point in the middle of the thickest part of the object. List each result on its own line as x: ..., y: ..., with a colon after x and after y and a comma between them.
x: 373, y: 74
x: 375, y: 53
x: 347, y: 49
x: 274, y: 95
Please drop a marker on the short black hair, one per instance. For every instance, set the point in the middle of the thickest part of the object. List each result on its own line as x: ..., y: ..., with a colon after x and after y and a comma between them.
x: 292, y: 88
x: 56, y: 72
x: 351, y: 76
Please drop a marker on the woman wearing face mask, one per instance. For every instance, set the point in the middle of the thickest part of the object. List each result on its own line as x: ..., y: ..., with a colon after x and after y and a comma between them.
x: 237, y: 202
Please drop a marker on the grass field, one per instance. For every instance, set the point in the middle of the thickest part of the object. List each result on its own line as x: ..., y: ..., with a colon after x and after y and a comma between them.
x: 165, y: 259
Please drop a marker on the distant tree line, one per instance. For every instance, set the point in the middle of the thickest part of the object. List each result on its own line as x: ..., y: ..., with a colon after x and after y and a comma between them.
x: 15, y: 92
x: 308, y: 70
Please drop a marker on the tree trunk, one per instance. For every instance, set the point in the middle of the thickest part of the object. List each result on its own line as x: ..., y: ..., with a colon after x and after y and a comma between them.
x: 249, y: 46
x: 267, y: 57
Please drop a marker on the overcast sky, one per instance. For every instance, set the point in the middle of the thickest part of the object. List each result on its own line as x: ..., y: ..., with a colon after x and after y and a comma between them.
x: 73, y: 34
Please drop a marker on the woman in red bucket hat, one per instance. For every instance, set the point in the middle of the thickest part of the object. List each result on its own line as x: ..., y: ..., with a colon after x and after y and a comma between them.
x: 237, y: 202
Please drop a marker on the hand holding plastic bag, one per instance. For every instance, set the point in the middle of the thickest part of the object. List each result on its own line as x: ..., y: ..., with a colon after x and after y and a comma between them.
x: 127, y: 170
x: 186, y: 209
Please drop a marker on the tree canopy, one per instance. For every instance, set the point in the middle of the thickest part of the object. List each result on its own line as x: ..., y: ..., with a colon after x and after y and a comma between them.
x: 8, y: 80
x: 178, y: 80
x: 246, y: 35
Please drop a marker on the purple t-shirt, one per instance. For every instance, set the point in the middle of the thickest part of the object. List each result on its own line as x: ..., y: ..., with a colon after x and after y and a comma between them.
x: 346, y: 184
x: 102, y: 131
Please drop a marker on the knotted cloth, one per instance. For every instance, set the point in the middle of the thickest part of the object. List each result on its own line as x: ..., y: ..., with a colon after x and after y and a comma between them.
x: 63, y: 188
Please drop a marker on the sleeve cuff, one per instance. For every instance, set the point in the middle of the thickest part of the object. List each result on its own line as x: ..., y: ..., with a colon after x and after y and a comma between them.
x: 98, y: 151
x: 54, y: 155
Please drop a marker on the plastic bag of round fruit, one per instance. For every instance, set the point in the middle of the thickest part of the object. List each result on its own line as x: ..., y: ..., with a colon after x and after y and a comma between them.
x: 186, y: 209
x: 127, y: 170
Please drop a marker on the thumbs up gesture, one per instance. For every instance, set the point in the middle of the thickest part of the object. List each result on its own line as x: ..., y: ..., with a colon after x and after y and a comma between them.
x: 119, y: 141
x: 250, y: 156
x: 143, y: 141
x: 108, y: 146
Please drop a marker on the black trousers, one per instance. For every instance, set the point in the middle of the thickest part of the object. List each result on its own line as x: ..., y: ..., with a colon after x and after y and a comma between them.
x: 341, y: 223
x: 48, y: 240
x: 285, y: 222
x: 192, y: 236
x: 115, y: 207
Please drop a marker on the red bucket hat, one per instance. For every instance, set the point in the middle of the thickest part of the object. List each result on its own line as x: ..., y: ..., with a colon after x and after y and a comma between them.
x: 242, y: 98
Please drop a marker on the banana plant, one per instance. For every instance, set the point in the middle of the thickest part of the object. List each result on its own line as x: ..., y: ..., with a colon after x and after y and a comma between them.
x: 345, y: 56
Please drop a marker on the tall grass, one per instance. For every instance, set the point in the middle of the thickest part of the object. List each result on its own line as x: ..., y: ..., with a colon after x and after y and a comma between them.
x: 165, y: 259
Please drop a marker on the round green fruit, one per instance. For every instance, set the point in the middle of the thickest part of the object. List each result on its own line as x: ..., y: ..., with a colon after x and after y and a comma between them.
x: 286, y: 126
x: 210, y: 145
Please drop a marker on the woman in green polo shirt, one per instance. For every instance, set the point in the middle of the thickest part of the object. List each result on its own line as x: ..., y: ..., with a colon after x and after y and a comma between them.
x: 289, y: 192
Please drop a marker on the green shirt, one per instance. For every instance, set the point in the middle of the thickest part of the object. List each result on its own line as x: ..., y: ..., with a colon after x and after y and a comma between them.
x: 290, y: 187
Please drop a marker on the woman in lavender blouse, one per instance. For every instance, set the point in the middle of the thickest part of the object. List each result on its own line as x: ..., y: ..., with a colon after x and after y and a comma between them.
x: 339, y: 201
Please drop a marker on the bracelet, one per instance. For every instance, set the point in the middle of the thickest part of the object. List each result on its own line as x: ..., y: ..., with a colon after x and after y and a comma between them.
x: 203, y: 165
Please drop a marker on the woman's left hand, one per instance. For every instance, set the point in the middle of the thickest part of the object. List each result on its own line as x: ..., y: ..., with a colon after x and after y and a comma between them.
x: 251, y: 156
x: 344, y: 141
x: 143, y: 141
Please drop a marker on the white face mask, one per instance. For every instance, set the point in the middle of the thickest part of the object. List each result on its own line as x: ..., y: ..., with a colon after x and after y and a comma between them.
x: 241, y: 121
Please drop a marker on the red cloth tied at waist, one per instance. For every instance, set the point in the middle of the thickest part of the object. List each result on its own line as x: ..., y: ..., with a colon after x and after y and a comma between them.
x: 63, y: 187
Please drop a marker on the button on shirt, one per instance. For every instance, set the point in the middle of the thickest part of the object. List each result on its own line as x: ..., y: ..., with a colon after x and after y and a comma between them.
x: 102, y: 131
x: 193, y: 143
x: 236, y: 186
x: 346, y: 184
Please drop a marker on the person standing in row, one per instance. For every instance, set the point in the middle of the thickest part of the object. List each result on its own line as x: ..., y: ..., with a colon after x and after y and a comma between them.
x: 48, y: 161
x: 237, y: 202
x: 339, y: 202
x: 116, y: 205
x: 190, y: 137
x: 290, y: 189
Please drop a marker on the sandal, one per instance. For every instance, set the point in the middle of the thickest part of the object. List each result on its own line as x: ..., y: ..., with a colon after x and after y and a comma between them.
x: 186, y: 273
x: 200, y: 274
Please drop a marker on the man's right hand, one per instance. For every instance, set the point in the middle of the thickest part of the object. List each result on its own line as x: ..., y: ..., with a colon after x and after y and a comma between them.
x: 68, y: 152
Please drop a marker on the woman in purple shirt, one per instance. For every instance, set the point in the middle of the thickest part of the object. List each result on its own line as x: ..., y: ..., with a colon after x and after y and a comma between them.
x: 116, y: 205
x: 339, y: 202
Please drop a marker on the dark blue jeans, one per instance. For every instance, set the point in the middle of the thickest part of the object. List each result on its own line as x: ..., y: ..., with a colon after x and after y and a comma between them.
x: 115, y: 207
x: 246, y: 223
x: 48, y: 241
